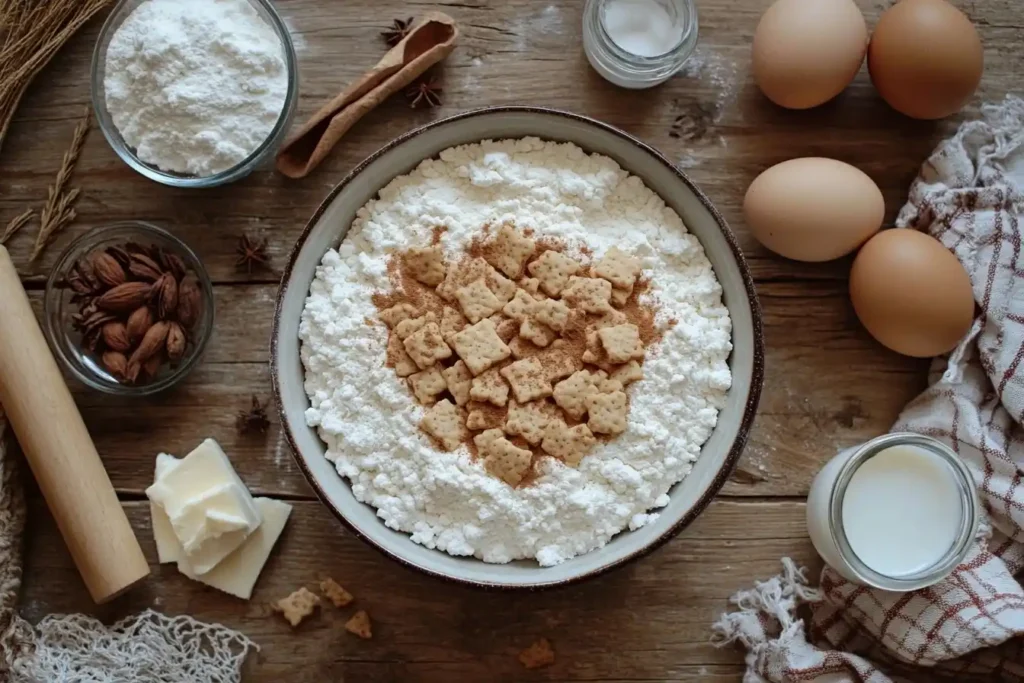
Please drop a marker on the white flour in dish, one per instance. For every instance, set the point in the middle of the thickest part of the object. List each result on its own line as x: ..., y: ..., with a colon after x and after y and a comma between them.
x: 195, y: 86
x: 368, y: 418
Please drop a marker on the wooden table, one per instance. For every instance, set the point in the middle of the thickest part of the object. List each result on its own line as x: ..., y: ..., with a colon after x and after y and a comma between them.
x: 829, y: 385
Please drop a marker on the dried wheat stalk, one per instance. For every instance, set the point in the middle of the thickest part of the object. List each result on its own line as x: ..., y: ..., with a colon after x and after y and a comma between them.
x: 59, y: 211
x: 16, y: 224
x: 32, y: 33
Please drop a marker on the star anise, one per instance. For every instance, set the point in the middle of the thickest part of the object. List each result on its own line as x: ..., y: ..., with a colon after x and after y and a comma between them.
x: 251, y: 253
x: 424, y: 92
x: 399, y: 30
x: 254, y: 419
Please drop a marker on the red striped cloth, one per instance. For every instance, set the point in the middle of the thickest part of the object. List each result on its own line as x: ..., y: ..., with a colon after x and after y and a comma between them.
x: 967, y: 627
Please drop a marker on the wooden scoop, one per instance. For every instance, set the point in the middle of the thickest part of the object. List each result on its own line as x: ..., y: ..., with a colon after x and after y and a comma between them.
x: 428, y: 43
x: 60, y: 452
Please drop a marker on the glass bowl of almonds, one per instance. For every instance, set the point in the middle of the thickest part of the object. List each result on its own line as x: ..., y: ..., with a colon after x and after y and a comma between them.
x: 129, y: 309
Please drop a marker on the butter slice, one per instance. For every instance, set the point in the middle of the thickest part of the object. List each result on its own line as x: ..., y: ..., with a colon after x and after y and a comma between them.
x: 168, y: 549
x: 237, y: 573
x: 210, y: 509
x: 213, y: 526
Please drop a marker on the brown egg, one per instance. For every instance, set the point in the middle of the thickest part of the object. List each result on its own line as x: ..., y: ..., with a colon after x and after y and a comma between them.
x: 813, y: 209
x: 925, y: 58
x: 911, y: 293
x: 805, y: 53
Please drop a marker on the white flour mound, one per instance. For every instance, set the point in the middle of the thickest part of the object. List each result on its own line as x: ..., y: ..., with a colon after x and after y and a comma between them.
x: 195, y: 86
x: 369, y: 420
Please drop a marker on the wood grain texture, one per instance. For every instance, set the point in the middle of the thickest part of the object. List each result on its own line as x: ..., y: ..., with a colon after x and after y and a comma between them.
x: 828, y: 385
x: 648, y: 621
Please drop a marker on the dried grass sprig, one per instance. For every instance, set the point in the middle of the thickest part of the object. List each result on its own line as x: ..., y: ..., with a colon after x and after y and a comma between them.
x: 58, y: 211
x: 16, y: 224
x: 32, y: 33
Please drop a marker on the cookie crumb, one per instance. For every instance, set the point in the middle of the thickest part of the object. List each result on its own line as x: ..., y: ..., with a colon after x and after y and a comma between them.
x: 297, y: 606
x: 359, y: 625
x: 335, y: 593
x: 537, y: 655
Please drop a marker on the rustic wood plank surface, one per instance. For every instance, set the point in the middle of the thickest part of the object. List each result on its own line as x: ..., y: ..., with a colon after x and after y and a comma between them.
x: 828, y: 384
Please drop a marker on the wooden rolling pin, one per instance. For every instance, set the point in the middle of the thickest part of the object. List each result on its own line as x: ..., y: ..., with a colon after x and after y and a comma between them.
x: 60, y: 451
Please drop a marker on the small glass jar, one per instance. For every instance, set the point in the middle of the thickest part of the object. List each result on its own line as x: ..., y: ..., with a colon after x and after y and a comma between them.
x: 828, y: 527
x: 629, y: 70
x: 257, y: 158
x: 59, y: 309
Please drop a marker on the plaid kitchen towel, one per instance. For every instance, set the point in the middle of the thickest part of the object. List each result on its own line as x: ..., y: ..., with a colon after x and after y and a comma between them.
x: 967, y: 627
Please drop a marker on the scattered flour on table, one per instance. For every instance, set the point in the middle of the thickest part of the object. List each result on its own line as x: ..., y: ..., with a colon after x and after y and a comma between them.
x: 716, y: 71
x: 368, y: 419
x: 195, y: 86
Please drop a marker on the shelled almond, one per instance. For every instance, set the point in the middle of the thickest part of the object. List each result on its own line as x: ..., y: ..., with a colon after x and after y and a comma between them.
x: 138, y: 308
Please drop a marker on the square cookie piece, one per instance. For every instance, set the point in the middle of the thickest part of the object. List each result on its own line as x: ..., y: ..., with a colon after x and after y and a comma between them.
x: 483, y: 416
x: 528, y: 379
x: 502, y: 458
x: 532, y: 287
x: 519, y: 307
x: 459, y: 380
x: 406, y: 327
x: 571, y: 394
x: 558, y: 363
x: 426, y: 346
x: 570, y: 444
x: 398, y: 358
x: 537, y: 333
x: 621, y: 343
x: 444, y: 422
x: 426, y: 385
x: 461, y: 275
x: 553, y: 269
x: 480, y: 346
x: 477, y: 301
x: 529, y: 420
x: 619, y: 268
x: 452, y: 321
x: 509, y: 251
x: 426, y: 264
x: 551, y: 312
x: 589, y: 293
x: 609, y: 413
x: 489, y: 387
x: 620, y: 297
x: 397, y: 313
x: 628, y: 373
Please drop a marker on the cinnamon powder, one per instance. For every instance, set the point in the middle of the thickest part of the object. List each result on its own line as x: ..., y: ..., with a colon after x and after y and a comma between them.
x: 572, y: 341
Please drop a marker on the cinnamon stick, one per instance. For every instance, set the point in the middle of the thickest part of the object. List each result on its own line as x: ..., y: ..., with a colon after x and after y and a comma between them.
x: 429, y: 42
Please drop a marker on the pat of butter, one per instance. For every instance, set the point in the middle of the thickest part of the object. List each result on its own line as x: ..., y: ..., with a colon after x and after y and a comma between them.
x: 237, y: 573
x: 168, y: 549
x: 213, y: 525
x: 209, y: 508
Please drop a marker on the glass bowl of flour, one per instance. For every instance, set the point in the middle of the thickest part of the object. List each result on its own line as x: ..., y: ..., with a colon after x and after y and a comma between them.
x: 194, y: 93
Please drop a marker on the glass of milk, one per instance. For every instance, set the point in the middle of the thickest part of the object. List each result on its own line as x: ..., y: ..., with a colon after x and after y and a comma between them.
x: 899, y: 512
x: 639, y: 43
